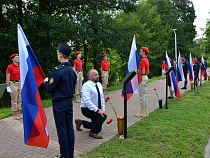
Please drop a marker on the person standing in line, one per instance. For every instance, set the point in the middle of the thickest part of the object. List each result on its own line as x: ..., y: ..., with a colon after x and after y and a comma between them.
x: 78, y: 67
x: 144, y: 70
x: 105, y: 72
x: 196, y: 69
x: 169, y: 78
x: 163, y: 69
x: 13, y: 86
x: 61, y: 85
x: 92, y: 105
x: 205, y: 63
x: 185, y: 67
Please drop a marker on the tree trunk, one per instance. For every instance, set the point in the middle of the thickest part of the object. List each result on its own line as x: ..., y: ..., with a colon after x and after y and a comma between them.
x: 1, y: 15
x: 20, y: 12
x: 85, y: 58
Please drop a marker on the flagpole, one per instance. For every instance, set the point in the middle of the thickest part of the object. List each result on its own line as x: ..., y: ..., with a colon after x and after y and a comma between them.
x: 125, y: 111
x: 166, y: 87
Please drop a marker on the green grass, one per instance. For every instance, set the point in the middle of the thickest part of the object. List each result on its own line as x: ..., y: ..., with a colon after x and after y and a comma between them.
x: 155, y: 79
x: 181, y: 131
x: 113, y: 88
x: 47, y: 103
x: 5, y: 112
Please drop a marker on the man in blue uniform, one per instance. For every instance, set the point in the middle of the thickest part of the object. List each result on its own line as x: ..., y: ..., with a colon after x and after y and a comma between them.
x: 185, y: 67
x: 61, y: 84
x: 196, y: 69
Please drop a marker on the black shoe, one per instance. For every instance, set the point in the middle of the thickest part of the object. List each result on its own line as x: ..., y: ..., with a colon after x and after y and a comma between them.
x: 184, y: 88
x: 170, y: 97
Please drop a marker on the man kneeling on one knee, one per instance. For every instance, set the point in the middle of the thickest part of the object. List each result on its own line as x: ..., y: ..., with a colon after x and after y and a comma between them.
x: 92, y: 105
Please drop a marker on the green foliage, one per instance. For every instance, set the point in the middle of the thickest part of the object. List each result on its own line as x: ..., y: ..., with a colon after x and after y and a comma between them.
x: 149, y: 30
x: 95, y: 28
x: 186, y: 29
x: 206, y: 40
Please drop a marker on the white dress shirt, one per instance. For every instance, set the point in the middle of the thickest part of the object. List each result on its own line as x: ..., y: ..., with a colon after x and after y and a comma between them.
x: 89, y: 97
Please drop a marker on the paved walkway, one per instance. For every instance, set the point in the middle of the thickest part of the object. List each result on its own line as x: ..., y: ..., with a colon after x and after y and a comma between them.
x: 11, y: 131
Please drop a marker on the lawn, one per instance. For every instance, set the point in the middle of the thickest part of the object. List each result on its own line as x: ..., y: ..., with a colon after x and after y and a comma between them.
x: 181, y: 131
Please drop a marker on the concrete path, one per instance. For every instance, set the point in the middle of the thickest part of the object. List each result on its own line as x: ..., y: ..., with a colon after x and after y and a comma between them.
x: 11, y: 131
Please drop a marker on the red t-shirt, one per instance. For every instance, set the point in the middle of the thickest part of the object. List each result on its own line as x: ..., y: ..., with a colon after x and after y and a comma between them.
x: 105, y: 65
x: 78, y: 64
x: 163, y: 66
x: 145, y: 64
x: 14, y: 71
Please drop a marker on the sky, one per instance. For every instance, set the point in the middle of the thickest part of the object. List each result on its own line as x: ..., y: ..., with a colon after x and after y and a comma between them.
x: 202, y: 9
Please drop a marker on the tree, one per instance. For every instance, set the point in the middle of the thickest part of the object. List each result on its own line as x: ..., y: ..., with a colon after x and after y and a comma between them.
x: 149, y: 30
x: 186, y: 30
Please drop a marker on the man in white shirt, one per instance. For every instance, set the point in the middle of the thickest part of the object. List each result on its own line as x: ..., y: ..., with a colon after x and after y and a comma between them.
x: 92, y: 106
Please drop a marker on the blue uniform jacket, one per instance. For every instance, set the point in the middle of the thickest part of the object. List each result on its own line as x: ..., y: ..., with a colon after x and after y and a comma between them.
x: 62, y: 81
x: 186, y: 67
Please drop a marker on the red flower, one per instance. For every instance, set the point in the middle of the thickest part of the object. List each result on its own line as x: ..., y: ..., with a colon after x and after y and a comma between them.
x: 156, y: 93
x: 110, y: 121
x: 107, y: 98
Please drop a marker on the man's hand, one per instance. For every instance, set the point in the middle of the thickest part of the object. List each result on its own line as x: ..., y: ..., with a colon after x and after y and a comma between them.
x: 9, y: 90
x: 46, y: 79
x: 102, y: 112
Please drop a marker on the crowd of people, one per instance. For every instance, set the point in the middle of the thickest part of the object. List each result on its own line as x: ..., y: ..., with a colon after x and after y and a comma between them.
x: 186, y: 68
x: 66, y: 80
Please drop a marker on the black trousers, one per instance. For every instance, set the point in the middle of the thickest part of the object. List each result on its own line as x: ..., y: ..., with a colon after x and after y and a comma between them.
x: 97, y: 120
x: 63, y: 115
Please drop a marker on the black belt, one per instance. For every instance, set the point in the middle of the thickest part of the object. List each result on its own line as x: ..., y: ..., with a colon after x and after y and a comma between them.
x: 105, y: 70
x: 144, y: 74
x: 79, y: 71
x: 15, y: 81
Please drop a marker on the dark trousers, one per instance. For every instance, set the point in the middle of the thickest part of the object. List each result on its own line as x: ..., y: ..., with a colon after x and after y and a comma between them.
x: 97, y: 120
x: 63, y: 115
x: 185, y: 82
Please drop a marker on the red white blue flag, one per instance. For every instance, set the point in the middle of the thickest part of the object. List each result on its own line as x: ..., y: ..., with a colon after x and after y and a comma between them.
x: 179, y: 70
x: 34, y: 118
x: 203, y: 69
x: 133, y: 65
x: 174, y: 84
x: 191, y: 74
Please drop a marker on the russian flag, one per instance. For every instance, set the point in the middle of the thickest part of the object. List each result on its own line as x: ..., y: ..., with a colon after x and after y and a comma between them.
x: 203, y: 69
x: 179, y: 71
x: 133, y: 65
x: 34, y: 118
x: 174, y: 84
x: 191, y: 74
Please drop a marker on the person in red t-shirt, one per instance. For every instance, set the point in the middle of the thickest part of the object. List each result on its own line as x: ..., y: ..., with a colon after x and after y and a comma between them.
x: 163, y: 69
x: 13, y: 85
x: 144, y: 70
x: 105, y: 72
x: 78, y: 67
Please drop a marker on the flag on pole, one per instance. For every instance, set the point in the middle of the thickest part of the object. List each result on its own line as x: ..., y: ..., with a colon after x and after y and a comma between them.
x: 133, y: 65
x: 203, y: 68
x: 34, y: 118
x: 179, y: 70
x: 174, y: 84
x: 191, y: 74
